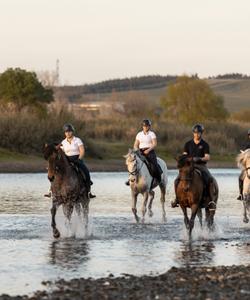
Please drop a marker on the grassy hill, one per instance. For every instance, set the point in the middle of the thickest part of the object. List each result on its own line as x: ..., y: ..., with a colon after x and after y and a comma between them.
x: 236, y: 92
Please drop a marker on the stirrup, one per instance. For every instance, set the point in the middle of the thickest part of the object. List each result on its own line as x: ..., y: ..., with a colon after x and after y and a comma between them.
x: 127, y: 183
x: 240, y: 197
x: 48, y: 195
x: 91, y: 196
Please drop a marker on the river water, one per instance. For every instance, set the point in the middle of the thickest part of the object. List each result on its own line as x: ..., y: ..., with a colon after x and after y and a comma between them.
x: 114, y: 243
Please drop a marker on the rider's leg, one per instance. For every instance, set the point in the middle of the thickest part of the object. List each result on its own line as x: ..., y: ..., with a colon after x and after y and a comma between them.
x: 152, y: 158
x: 83, y: 168
x: 207, y: 178
x: 175, y: 203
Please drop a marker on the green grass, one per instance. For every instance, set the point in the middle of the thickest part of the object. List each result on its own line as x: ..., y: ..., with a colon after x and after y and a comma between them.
x: 10, y: 156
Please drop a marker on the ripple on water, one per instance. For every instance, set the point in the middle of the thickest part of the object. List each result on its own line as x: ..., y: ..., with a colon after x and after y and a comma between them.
x: 114, y: 243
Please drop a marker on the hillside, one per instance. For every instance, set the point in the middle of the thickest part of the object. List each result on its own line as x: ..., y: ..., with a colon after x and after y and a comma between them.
x: 236, y: 92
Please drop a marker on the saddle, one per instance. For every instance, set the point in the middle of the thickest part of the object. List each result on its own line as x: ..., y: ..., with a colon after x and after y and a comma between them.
x: 79, y: 172
x: 151, y: 168
x: 206, y: 182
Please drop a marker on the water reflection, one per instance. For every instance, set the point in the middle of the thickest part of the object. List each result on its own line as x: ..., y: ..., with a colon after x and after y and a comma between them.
x: 68, y: 253
x: 195, y: 254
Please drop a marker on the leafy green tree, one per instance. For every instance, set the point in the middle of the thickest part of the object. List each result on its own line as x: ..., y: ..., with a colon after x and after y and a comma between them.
x: 22, y: 89
x: 191, y: 100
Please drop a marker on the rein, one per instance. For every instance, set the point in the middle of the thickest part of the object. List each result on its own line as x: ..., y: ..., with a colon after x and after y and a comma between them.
x: 136, y: 171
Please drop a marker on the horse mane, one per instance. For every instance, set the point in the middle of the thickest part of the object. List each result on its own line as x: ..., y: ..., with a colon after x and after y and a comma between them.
x: 49, y: 149
x: 182, y: 160
x: 242, y: 158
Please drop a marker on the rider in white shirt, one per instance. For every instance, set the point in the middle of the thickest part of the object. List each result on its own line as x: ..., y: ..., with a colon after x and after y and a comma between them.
x: 73, y: 147
x: 146, y: 142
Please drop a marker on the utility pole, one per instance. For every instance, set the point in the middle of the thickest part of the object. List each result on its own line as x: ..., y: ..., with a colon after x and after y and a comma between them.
x: 57, y: 72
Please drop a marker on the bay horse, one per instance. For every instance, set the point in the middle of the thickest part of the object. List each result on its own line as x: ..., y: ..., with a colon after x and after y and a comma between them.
x: 141, y: 182
x: 190, y: 193
x: 243, y: 160
x: 67, y: 187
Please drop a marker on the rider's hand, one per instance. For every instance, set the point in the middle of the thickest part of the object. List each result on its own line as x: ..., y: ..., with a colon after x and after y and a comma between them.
x: 146, y: 152
x: 197, y: 159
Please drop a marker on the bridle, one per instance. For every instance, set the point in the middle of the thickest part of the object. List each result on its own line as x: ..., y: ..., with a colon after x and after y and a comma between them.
x: 55, y: 167
x: 135, y: 172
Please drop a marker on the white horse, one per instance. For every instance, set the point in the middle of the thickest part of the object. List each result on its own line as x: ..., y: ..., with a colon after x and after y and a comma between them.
x: 141, y: 182
x: 243, y: 160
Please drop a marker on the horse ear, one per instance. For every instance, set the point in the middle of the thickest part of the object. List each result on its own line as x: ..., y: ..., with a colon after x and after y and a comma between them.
x: 130, y: 150
x: 242, y: 151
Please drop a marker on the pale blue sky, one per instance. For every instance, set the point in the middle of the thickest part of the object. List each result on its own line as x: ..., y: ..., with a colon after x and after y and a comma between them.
x: 102, y: 39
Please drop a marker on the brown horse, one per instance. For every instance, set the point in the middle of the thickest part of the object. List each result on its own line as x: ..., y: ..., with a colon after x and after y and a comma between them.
x: 67, y: 187
x: 190, y: 193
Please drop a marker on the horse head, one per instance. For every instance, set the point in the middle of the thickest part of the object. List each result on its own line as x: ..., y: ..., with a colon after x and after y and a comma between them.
x: 131, y: 163
x: 186, y: 169
x: 243, y: 161
x: 53, y: 154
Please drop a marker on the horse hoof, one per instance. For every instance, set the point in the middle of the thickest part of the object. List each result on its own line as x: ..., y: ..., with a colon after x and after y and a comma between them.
x: 150, y: 213
x: 137, y: 219
x: 245, y: 220
x: 56, y: 233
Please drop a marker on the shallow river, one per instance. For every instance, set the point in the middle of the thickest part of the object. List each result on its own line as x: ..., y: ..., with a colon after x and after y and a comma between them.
x: 114, y: 243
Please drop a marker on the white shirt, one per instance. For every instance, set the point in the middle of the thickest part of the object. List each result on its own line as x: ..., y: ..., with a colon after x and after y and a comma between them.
x: 72, y: 148
x: 145, y: 139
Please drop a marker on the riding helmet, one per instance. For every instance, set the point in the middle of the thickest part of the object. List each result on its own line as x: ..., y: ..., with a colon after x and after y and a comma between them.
x: 146, y: 122
x: 68, y: 127
x: 198, y: 128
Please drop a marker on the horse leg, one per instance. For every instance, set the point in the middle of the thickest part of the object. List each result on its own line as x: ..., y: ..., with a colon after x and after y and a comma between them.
x: 194, y: 209
x: 56, y: 232
x: 85, y: 208
x: 144, y: 206
x: 152, y: 195
x: 186, y: 219
x: 134, y: 202
x: 245, y: 218
x: 199, y: 214
x: 163, y: 194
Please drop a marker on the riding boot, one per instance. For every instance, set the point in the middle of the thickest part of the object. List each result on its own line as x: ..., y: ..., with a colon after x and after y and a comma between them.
x: 240, y: 197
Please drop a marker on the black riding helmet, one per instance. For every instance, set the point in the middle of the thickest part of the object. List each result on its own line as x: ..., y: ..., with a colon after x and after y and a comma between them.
x: 68, y: 127
x: 146, y: 122
x: 198, y: 128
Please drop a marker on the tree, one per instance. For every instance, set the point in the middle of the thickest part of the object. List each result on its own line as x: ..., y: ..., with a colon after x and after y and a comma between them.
x: 22, y: 89
x: 191, y: 100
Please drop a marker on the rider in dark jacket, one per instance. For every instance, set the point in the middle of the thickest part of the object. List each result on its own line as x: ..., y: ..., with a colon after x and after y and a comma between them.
x: 199, y: 151
x: 241, y: 177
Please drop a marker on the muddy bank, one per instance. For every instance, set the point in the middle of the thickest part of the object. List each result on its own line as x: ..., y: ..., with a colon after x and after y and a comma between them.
x: 105, y: 165
x: 178, y: 283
